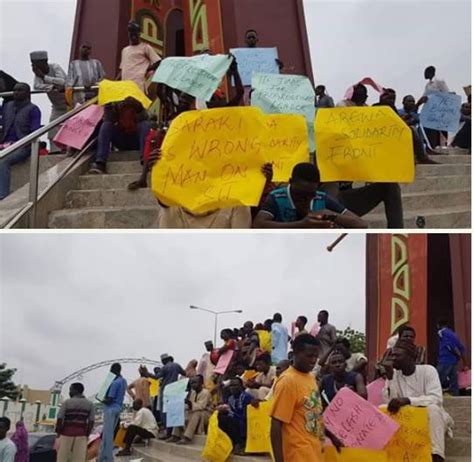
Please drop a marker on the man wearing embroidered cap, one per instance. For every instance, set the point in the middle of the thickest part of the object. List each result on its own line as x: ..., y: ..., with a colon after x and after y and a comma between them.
x: 51, y: 78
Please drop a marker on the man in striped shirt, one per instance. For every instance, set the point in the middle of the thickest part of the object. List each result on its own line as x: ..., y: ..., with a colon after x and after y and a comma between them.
x: 74, y: 425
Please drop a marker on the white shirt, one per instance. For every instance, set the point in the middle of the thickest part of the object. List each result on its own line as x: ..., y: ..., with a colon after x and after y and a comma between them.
x: 436, y: 85
x: 7, y: 450
x: 145, y: 419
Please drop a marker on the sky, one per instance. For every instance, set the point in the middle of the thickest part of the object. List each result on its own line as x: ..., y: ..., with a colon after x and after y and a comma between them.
x: 70, y: 300
x: 390, y: 41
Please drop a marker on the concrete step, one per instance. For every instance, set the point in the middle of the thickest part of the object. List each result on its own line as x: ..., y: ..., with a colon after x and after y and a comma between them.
x: 456, y: 217
x: 442, y: 170
x: 453, y: 151
x: 451, y: 158
x: 456, y: 402
x: 110, y: 181
x: 109, y: 198
x: 124, y: 167
x: 458, y: 446
x: 432, y: 183
x: 130, y: 217
x: 462, y: 428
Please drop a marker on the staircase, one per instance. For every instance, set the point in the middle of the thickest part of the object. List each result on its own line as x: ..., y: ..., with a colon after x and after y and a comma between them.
x: 441, y: 194
x: 458, y: 449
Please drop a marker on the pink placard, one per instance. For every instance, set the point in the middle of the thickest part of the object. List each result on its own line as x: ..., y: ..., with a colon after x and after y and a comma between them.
x: 358, y: 423
x: 223, y: 362
x: 374, y: 390
x: 464, y: 379
x: 315, y: 329
x: 78, y: 129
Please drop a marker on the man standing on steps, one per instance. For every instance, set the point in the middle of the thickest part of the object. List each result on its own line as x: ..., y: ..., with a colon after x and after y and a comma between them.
x: 113, y: 403
x: 327, y: 334
x: 279, y: 339
x: 7, y: 447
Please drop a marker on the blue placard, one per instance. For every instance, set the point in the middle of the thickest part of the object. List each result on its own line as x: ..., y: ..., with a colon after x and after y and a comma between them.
x: 252, y: 60
x: 442, y: 111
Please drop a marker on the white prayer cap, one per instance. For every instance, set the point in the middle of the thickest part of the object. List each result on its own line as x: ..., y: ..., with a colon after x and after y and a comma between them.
x: 38, y: 55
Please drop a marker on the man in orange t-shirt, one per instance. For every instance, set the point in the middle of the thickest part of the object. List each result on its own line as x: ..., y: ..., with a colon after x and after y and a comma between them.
x: 297, y: 430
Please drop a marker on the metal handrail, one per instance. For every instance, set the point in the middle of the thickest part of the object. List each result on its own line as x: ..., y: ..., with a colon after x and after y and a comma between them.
x: 8, y: 94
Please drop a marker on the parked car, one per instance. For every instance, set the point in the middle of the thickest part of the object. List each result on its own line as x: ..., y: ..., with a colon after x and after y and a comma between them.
x: 41, y: 446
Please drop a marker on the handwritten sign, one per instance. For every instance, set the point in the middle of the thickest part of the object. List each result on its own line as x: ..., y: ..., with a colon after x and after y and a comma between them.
x: 212, y: 159
x: 287, y: 144
x: 112, y: 92
x: 464, y: 379
x: 258, y: 428
x: 374, y: 391
x: 218, y: 445
x: 198, y: 76
x: 101, y: 395
x: 175, y: 411
x: 412, y: 441
x: 174, y: 390
x: 357, y: 423
x: 250, y: 60
x: 154, y: 387
x: 363, y: 144
x: 285, y: 94
x: 442, y: 111
x: 224, y: 362
x: 353, y: 455
x: 78, y: 129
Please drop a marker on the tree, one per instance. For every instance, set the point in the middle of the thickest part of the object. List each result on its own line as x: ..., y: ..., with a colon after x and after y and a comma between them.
x: 356, y: 339
x: 7, y: 387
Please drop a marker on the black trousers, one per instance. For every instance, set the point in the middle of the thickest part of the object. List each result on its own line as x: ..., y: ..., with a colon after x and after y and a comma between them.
x: 134, y: 431
x: 231, y: 427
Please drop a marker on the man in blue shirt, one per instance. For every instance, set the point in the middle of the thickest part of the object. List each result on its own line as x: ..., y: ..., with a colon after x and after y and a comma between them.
x: 451, y: 350
x: 112, y: 407
x: 279, y: 339
x: 302, y: 205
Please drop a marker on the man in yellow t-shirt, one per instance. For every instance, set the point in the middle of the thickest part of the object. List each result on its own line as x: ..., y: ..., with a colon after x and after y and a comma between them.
x: 297, y: 430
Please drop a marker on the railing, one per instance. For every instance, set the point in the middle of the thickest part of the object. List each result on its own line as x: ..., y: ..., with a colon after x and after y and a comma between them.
x: 33, y: 140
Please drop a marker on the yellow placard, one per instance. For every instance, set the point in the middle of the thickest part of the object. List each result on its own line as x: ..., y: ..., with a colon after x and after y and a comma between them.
x: 154, y: 387
x: 364, y: 144
x: 265, y: 340
x: 212, y: 159
x: 218, y: 445
x: 353, y: 455
x: 249, y: 375
x: 258, y: 428
x: 412, y: 441
x: 112, y: 92
x: 119, y: 437
x: 287, y: 144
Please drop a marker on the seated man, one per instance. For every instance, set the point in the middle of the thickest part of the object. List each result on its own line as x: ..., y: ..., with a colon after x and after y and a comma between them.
x: 143, y: 425
x: 232, y: 415
x: 198, y: 411
x: 260, y: 386
x: 125, y: 126
x: 302, y: 205
x: 20, y: 118
x: 417, y: 385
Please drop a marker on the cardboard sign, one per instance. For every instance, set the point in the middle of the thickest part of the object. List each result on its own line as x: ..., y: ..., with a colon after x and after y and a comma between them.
x: 212, y: 159
x: 258, y: 428
x: 224, y: 362
x: 113, y: 92
x: 250, y: 60
x: 364, y: 144
x: 154, y: 387
x: 442, y: 111
x: 353, y: 455
x: 78, y: 129
x: 173, y: 391
x: 357, y: 423
x: 374, y: 390
x: 464, y: 379
x: 175, y: 411
x: 218, y: 445
x: 101, y: 395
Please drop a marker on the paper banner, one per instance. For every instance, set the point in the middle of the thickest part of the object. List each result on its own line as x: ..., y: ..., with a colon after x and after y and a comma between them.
x: 353, y: 455
x: 101, y: 395
x: 218, y: 445
x: 258, y: 428
x: 374, y: 390
x: 212, y: 159
x: 76, y: 131
x: 442, y: 111
x: 198, y: 76
x: 112, y: 92
x: 357, y: 423
x: 464, y: 379
x: 224, y: 361
x: 412, y: 442
x: 250, y: 60
x: 287, y: 145
x: 174, y: 390
x: 265, y: 340
x: 364, y: 144
x: 175, y: 411
x: 154, y: 387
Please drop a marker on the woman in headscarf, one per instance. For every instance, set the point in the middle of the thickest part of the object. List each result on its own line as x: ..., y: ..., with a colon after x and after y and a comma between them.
x: 20, y: 438
x: 191, y: 368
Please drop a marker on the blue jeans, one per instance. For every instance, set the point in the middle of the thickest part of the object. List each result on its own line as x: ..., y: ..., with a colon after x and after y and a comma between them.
x: 111, y: 419
x: 111, y: 134
x: 5, y: 168
x: 449, y: 371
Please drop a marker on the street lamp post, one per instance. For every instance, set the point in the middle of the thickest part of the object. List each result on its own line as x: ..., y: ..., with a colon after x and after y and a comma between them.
x: 216, y: 314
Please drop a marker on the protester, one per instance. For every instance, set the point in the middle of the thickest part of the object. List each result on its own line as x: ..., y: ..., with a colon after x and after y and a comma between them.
x: 279, y: 339
x: 143, y: 425
x: 74, y: 425
x: 205, y: 366
x: 297, y: 428
x: 323, y: 100
x: 51, y: 78
x: 409, y: 111
x: 140, y: 388
x: 7, y: 84
x: 20, y: 440
x: 251, y: 38
x: 191, y: 368
x: 419, y: 386
x: 356, y: 362
x: 327, y: 334
x: 451, y: 350
x: 138, y: 58
x: 113, y: 402
x: 264, y: 336
x: 339, y: 377
x: 300, y: 324
x: 7, y: 447
x: 198, y: 411
x: 218, y: 100
x: 463, y: 136
x: 84, y: 72
x: 125, y: 126
x: 43, y: 148
x: 260, y: 386
x: 302, y: 205
x: 20, y: 118
x: 232, y: 416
